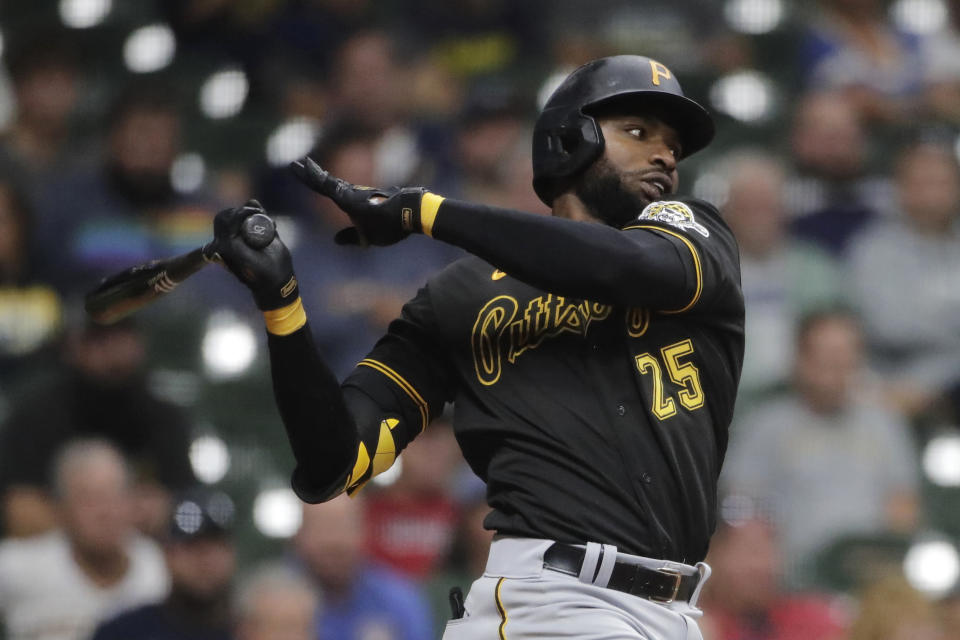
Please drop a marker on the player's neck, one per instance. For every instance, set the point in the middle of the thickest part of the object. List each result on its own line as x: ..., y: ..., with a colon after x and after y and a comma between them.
x: 568, y: 205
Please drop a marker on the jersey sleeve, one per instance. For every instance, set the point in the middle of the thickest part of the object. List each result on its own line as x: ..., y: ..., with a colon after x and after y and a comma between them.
x: 397, y: 389
x: 707, y: 250
x: 657, y: 263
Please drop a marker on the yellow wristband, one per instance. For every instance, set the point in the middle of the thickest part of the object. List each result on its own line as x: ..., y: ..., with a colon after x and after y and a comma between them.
x: 429, y: 205
x: 285, y: 320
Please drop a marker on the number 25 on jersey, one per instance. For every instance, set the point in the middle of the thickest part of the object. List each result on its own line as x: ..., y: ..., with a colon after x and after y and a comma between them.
x: 684, y: 374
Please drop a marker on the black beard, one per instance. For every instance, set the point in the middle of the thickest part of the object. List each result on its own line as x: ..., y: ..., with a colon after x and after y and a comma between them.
x: 601, y: 190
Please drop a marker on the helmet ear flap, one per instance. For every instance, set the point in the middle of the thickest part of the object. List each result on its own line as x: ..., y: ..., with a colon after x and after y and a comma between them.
x: 589, y: 134
x: 564, y: 141
x: 563, y: 149
x: 571, y: 146
x: 556, y: 144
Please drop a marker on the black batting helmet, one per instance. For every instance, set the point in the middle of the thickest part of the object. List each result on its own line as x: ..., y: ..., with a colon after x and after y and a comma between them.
x: 567, y: 139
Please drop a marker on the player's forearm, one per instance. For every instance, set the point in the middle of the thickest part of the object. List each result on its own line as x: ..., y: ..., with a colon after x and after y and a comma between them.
x: 588, y: 261
x: 318, y: 423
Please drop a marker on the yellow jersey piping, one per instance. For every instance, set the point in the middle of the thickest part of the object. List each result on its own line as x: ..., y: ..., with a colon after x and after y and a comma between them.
x: 501, y: 610
x: 405, y: 386
x: 696, y: 263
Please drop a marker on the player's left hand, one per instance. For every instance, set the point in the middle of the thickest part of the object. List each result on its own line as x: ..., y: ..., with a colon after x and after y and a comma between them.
x: 267, y: 272
x: 381, y: 216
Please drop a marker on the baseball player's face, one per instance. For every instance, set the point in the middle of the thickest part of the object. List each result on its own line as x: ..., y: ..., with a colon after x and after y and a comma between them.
x: 638, y: 166
x: 644, y: 151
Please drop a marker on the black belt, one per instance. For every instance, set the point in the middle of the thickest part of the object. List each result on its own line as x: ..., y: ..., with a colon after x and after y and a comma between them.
x: 663, y: 585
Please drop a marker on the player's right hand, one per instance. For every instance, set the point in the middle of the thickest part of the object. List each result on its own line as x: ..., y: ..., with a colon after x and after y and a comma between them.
x: 380, y: 216
x: 267, y: 272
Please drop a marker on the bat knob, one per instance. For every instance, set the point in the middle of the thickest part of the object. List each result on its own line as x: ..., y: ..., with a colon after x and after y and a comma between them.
x: 258, y: 231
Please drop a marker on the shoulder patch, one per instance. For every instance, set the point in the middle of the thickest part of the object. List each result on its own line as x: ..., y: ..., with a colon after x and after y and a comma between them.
x: 676, y: 214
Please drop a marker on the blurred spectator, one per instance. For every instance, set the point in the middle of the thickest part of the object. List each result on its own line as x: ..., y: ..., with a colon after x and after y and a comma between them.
x: 479, y: 37
x: 46, y: 83
x: 124, y: 210
x: 60, y: 585
x: 309, y: 32
x: 276, y: 603
x: 367, y: 85
x: 948, y: 609
x: 941, y: 58
x: 201, y: 559
x: 744, y: 599
x: 467, y: 557
x: 370, y: 88
x: 361, y: 599
x: 891, y: 609
x: 783, y: 278
x: 492, y: 161
x: 100, y: 390
x: 518, y: 190
x: 903, y: 278
x: 851, y: 46
x: 352, y: 293
x: 30, y: 311
x: 410, y: 524
x: 826, y: 456
x: 220, y: 26
x: 831, y: 196
x: 691, y: 34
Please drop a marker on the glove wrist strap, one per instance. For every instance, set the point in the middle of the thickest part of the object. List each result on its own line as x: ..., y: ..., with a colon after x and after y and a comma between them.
x: 273, y: 297
x: 285, y: 320
x: 429, y: 206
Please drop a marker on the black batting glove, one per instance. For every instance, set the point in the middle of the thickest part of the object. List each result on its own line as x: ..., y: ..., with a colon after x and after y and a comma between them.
x: 267, y: 272
x: 380, y: 216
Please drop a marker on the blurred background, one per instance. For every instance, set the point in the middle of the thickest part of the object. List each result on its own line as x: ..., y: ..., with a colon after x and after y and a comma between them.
x: 143, y: 467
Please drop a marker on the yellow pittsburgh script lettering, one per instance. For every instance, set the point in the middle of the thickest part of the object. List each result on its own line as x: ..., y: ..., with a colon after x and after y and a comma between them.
x: 638, y: 321
x: 492, y: 321
x: 501, y: 331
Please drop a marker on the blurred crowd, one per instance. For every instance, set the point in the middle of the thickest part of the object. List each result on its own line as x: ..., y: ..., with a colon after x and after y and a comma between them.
x: 136, y: 459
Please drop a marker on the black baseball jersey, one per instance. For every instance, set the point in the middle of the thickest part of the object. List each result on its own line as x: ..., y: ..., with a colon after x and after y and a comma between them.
x: 589, y: 419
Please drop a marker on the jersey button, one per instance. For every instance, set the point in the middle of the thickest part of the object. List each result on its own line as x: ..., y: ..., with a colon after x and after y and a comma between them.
x: 621, y: 410
x: 647, y: 478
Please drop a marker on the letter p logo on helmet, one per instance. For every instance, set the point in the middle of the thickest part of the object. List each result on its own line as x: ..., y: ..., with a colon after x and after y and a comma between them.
x: 657, y: 71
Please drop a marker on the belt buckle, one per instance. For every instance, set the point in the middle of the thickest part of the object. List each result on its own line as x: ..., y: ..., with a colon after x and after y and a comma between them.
x: 677, y: 578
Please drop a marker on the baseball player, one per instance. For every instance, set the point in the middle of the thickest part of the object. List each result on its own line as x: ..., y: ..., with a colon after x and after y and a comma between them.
x: 592, y: 358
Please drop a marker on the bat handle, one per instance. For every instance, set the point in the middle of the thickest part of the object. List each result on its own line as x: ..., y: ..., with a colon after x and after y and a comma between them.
x: 258, y: 230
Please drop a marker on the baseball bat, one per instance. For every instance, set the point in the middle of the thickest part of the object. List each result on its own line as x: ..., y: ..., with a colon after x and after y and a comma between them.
x: 123, y: 293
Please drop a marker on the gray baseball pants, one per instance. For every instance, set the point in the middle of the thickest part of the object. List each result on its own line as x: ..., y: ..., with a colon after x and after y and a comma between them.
x: 518, y: 599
